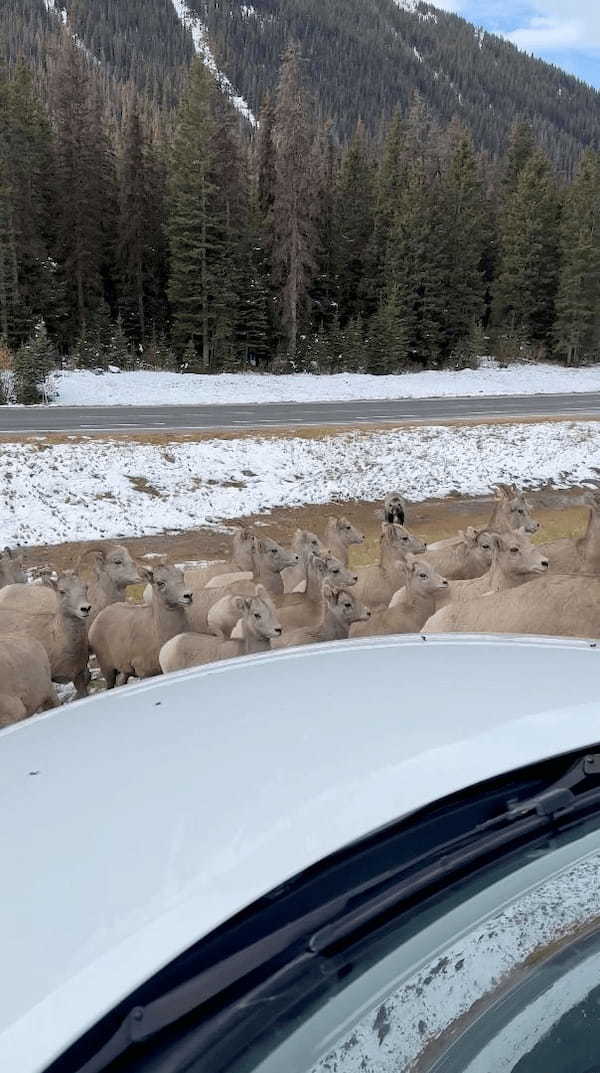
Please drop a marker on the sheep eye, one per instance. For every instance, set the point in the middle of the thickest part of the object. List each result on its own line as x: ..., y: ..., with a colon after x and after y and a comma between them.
x: 348, y: 528
x: 336, y: 571
x: 62, y: 592
x: 256, y: 614
x: 423, y: 576
x: 160, y: 584
x: 405, y: 539
x: 514, y: 551
x: 348, y: 606
x: 273, y: 550
x: 118, y: 562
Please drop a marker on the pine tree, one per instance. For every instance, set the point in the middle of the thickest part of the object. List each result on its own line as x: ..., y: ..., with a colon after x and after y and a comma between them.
x: 324, y: 296
x: 521, y: 147
x: 33, y: 362
x: 86, y: 185
x: 293, y: 208
x: 141, y: 250
x: 462, y: 241
x: 353, y: 226
x: 577, y: 331
x: 119, y: 352
x: 190, y: 225
x: 525, y: 288
x: 27, y: 284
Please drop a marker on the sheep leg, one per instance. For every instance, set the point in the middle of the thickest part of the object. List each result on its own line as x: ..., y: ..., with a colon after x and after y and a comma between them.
x: 81, y: 682
x: 51, y: 701
x: 109, y: 675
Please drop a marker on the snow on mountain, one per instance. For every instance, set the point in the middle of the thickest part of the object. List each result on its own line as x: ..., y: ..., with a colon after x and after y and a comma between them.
x: 200, y: 38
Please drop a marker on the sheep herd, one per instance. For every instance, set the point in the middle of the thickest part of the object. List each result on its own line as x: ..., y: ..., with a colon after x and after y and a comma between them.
x: 491, y: 580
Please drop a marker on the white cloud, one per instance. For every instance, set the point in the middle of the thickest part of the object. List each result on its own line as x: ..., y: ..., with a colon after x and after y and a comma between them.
x: 559, y: 25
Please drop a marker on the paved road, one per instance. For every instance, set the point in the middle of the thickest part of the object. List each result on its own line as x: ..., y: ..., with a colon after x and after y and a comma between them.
x: 276, y: 415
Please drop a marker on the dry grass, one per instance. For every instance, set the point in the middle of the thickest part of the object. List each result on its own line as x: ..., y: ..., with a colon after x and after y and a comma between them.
x: 560, y: 512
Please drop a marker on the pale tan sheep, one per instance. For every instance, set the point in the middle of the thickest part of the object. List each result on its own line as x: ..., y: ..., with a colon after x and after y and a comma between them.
x: 423, y: 585
x: 56, y: 614
x: 339, y: 610
x: 377, y: 584
x: 127, y: 638
x: 26, y: 683
x: 258, y: 625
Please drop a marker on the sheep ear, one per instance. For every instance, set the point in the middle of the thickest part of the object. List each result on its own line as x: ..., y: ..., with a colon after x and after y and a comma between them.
x: 146, y: 572
x: 261, y: 591
x: 260, y: 546
x: 329, y: 592
x: 237, y: 633
x: 241, y: 603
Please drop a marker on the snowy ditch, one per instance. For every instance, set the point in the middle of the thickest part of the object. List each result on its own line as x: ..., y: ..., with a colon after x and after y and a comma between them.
x: 83, y: 388
x: 90, y: 489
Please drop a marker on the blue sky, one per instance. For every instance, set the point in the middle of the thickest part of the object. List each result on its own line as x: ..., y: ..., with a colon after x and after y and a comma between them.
x: 564, y: 32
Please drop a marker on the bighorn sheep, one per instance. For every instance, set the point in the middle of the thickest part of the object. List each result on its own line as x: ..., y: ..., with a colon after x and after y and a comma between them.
x: 127, y: 638
x: 394, y: 509
x: 470, y: 557
x: 270, y: 558
x: 558, y: 605
x: 304, y: 610
x: 11, y: 568
x: 581, y: 555
x: 242, y: 551
x: 510, y: 511
x: 377, y: 584
x: 515, y: 561
x: 114, y: 570
x: 304, y: 544
x: 340, y: 534
x: 56, y: 614
x: 25, y: 681
x: 258, y: 626
x: 339, y: 610
x: 410, y: 610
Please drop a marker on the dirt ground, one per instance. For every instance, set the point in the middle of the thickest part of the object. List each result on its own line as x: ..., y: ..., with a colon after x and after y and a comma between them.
x: 561, y: 513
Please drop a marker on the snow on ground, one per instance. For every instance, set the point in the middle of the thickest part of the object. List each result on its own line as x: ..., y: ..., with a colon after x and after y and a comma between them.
x: 200, y: 38
x: 90, y: 489
x: 150, y: 388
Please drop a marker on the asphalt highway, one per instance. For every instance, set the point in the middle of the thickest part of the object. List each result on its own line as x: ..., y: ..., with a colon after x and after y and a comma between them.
x: 288, y: 414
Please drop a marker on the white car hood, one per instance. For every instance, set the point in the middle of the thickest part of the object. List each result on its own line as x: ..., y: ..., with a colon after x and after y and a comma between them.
x: 133, y: 824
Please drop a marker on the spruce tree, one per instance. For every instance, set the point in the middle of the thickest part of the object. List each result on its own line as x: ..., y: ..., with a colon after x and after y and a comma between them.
x: 577, y: 330
x: 28, y: 288
x: 33, y: 363
x: 354, y: 226
x: 141, y: 249
x: 191, y: 193
x: 461, y: 240
x: 86, y: 219
x: 294, y: 237
x: 525, y: 288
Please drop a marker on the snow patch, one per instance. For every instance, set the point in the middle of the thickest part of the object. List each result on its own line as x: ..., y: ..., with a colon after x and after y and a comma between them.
x: 247, y: 12
x: 84, y: 388
x: 89, y: 489
x: 52, y: 6
x: 417, y: 54
x: 199, y: 34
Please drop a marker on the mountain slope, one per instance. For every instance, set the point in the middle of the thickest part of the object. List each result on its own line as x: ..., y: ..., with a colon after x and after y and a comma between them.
x: 363, y: 58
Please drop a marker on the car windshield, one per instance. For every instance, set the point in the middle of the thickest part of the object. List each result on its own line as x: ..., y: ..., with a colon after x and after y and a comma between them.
x: 502, y: 974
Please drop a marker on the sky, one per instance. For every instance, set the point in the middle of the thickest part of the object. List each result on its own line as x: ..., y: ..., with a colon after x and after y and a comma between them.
x: 564, y: 32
